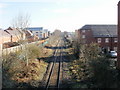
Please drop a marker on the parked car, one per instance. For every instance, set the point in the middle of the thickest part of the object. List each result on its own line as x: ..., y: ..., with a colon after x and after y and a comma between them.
x: 112, y: 54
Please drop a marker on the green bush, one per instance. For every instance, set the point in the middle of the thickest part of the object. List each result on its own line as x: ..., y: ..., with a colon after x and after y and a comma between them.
x: 104, y: 75
x: 15, y: 70
x: 92, y: 66
x: 34, y: 51
x: 30, y: 52
x: 9, y: 62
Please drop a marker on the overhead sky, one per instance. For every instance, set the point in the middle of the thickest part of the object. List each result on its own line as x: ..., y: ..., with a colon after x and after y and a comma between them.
x: 66, y: 15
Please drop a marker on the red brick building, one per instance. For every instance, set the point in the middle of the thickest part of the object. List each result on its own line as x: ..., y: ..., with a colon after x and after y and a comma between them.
x: 118, y: 57
x: 104, y: 35
x: 16, y: 34
x: 10, y: 36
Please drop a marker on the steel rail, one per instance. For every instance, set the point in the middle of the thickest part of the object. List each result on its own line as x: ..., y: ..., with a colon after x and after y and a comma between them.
x: 51, y: 71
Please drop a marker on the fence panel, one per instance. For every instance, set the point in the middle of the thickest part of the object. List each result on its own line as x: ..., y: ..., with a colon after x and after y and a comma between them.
x: 16, y: 48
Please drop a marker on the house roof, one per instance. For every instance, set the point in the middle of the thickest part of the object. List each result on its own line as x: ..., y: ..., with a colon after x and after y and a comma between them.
x: 34, y: 28
x: 4, y: 34
x: 102, y: 30
x: 13, y: 31
x: 28, y: 33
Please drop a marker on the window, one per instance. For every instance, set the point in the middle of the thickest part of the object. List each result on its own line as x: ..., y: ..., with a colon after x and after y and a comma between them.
x: 115, y: 48
x: 36, y: 34
x: 83, y: 36
x: 115, y: 39
x: 99, y: 40
x: 106, y: 40
x: 83, y: 31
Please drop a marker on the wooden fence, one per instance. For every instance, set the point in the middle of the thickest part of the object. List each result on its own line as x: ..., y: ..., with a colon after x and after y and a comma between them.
x: 7, y: 51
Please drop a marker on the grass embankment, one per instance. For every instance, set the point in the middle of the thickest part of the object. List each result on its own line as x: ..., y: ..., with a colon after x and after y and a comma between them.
x: 23, y: 69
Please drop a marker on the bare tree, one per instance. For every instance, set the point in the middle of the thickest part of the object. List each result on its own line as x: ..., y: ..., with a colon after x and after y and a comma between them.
x: 22, y: 21
x: 57, y: 33
x: 55, y: 36
x: 77, y: 43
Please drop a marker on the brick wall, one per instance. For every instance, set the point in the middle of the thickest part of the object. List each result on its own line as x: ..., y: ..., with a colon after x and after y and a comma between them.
x: 87, y: 37
x: 4, y: 39
x: 16, y: 38
x: 110, y: 45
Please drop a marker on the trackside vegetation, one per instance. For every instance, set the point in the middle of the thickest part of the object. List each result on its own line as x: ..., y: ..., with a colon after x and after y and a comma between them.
x: 15, y: 71
x: 91, y: 69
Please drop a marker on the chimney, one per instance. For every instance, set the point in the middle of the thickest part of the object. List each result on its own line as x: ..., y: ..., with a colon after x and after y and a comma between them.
x: 9, y: 28
x: 118, y: 50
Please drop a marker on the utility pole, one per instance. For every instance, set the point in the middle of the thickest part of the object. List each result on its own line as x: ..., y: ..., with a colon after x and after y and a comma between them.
x: 118, y: 50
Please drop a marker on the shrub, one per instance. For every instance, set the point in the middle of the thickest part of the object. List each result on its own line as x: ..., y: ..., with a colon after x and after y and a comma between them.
x: 82, y: 65
x: 10, y: 65
x: 104, y: 75
x: 34, y: 51
x: 15, y: 71
x: 30, y: 52
x: 91, y: 65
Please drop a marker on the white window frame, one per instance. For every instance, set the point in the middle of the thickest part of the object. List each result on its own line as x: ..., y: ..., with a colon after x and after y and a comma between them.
x: 115, y: 48
x: 99, y: 40
x: 115, y: 40
x: 83, y: 36
x: 106, y: 40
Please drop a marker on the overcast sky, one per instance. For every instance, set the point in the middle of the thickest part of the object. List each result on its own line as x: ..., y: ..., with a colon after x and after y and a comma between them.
x: 66, y: 15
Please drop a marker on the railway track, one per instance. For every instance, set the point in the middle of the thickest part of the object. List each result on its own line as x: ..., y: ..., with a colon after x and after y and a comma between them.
x: 54, y: 73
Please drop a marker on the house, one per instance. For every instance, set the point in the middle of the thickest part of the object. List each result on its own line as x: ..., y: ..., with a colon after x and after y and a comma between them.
x: 4, y: 37
x: 30, y: 37
x: 39, y: 31
x: 10, y: 37
x: 104, y: 35
x: 16, y: 34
